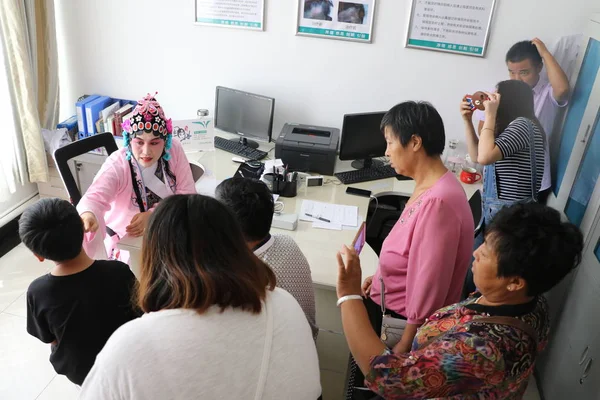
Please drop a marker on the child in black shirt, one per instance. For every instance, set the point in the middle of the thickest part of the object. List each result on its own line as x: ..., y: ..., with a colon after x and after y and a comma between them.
x: 81, y: 302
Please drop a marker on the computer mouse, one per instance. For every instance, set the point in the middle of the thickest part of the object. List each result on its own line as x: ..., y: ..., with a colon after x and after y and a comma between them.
x: 238, y: 160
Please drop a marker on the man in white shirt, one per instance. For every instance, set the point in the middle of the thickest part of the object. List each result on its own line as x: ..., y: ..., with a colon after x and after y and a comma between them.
x: 525, y: 61
x: 252, y: 203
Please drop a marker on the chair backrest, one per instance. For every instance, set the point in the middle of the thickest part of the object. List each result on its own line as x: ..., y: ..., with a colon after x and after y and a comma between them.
x: 382, y: 216
x: 476, y: 209
x: 72, y: 150
x: 197, y: 170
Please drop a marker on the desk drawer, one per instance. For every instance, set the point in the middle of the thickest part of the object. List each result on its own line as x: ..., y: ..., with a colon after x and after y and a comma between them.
x: 333, y: 352
x: 328, y: 314
x: 332, y: 384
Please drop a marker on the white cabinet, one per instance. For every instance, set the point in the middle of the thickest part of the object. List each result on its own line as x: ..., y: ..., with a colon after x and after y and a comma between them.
x: 87, y: 166
x: 577, y: 165
x: 570, y: 367
x: 84, y: 168
x: 331, y: 344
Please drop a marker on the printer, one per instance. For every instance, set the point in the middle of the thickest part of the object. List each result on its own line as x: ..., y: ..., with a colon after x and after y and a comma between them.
x: 307, y: 148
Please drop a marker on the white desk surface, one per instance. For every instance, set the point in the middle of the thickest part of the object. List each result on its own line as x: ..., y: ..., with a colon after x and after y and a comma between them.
x: 318, y: 245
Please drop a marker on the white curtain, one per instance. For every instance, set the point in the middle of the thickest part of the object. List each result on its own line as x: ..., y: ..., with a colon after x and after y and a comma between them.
x: 8, y: 148
x: 28, y: 33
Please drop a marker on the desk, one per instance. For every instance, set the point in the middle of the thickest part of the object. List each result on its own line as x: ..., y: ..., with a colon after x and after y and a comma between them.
x: 318, y: 245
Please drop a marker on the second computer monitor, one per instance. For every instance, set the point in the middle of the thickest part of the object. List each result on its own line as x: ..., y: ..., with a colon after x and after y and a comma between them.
x: 249, y: 115
x: 362, y: 139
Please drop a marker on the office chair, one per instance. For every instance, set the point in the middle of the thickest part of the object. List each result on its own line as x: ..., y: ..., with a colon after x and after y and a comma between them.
x: 476, y: 209
x: 382, y: 216
x: 475, y: 203
x: 63, y: 155
x: 197, y: 170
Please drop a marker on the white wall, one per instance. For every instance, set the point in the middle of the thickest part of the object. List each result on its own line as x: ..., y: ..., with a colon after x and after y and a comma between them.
x: 128, y: 48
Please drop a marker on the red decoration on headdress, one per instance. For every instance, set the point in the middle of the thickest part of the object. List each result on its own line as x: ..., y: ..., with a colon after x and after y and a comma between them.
x: 148, y: 116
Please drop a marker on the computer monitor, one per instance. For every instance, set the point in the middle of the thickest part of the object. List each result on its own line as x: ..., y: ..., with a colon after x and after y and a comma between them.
x: 362, y: 139
x: 246, y: 114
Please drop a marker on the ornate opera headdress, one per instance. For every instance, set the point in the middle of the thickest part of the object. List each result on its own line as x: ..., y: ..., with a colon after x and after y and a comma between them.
x: 148, y: 117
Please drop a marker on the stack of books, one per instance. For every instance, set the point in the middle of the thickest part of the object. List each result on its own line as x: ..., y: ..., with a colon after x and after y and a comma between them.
x: 99, y: 114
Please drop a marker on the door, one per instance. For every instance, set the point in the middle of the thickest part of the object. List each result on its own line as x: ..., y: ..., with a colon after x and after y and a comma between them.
x: 584, y: 197
x: 582, y: 111
x: 569, y: 366
x: 589, y: 361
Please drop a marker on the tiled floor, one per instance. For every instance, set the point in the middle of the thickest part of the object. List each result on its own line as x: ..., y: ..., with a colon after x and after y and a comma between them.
x: 25, y: 372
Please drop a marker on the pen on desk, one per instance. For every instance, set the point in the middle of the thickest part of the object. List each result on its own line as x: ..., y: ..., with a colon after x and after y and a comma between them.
x: 319, y: 218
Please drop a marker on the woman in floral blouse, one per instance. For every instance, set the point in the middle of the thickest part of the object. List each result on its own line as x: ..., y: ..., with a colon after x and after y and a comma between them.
x: 527, y: 251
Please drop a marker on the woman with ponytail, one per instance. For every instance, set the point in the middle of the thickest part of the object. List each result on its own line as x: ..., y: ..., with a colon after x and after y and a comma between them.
x: 510, y: 147
x: 150, y: 166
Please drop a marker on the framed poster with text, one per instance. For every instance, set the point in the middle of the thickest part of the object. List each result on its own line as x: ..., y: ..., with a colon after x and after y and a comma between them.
x: 245, y: 14
x: 455, y: 26
x: 336, y: 19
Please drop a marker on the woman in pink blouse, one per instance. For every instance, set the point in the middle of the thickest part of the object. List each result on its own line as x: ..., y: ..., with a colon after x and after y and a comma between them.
x: 424, y: 259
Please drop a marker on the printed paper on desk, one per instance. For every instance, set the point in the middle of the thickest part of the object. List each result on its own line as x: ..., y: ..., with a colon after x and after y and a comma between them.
x: 352, y: 228
x: 269, y: 164
x: 316, y: 211
x: 207, y: 186
x: 326, y: 225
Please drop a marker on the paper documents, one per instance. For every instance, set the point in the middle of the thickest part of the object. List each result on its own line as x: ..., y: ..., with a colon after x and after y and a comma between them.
x: 269, y: 164
x: 328, y: 216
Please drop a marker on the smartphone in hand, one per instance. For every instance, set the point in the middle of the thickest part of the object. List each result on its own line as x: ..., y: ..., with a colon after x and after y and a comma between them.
x: 361, y: 237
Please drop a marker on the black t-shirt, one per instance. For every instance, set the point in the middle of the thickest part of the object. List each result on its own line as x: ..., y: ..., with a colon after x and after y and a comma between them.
x: 80, y: 312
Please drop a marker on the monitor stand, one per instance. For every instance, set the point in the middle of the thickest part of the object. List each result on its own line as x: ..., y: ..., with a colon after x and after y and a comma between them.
x: 246, y: 142
x: 366, y: 163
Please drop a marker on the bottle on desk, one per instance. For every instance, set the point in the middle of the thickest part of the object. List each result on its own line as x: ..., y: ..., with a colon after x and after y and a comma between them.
x: 207, y: 122
x: 204, y: 131
x: 453, y: 161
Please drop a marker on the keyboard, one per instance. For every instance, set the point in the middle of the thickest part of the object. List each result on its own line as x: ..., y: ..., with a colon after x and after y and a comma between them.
x: 239, y: 149
x: 369, y: 174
